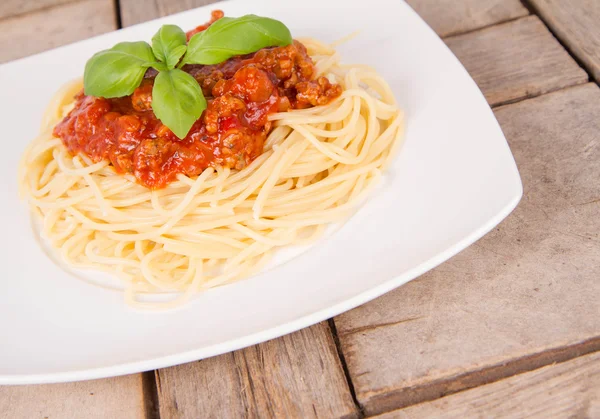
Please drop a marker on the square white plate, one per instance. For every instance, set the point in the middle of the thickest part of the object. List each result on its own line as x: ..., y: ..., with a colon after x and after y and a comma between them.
x: 452, y: 182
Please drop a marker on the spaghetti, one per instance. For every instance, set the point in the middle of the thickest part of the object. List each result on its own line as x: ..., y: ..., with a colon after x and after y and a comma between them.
x: 223, y: 225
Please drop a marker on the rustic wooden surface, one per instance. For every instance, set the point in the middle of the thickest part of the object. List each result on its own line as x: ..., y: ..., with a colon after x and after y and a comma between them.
x: 569, y: 389
x: 120, y: 397
x: 18, y: 7
x: 44, y: 29
x: 449, y: 17
x: 297, y: 376
x: 135, y: 11
x: 575, y: 22
x: 520, y: 299
x: 516, y: 60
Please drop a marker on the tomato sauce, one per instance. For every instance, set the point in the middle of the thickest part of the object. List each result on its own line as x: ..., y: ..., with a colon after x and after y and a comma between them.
x: 241, y: 93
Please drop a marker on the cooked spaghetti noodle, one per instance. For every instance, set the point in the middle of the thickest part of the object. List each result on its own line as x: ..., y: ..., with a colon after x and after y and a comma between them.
x: 197, y: 233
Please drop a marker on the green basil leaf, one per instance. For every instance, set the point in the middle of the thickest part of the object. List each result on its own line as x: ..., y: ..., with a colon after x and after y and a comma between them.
x: 228, y: 37
x: 177, y: 100
x: 158, y: 66
x: 116, y: 72
x: 166, y: 40
x: 174, y: 56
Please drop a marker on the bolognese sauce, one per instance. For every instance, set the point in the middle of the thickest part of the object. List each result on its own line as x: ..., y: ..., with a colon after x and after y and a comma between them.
x: 241, y: 93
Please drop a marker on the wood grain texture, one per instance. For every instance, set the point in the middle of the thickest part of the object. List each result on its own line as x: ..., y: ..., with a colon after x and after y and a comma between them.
x: 119, y: 397
x: 575, y: 22
x: 135, y: 11
x: 298, y: 375
x: 516, y: 60
x: 16, y: 7
x: 35, y: 32
x: 524, y: 295
x: 569, y: 389
x: 450, y: 17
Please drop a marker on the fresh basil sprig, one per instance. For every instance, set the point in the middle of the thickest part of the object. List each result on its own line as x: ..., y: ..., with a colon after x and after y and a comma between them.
x: 177, y: 98
x: 229, y: 37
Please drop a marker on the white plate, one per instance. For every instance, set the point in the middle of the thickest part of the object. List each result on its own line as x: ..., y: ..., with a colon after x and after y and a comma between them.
x: 453, y: 181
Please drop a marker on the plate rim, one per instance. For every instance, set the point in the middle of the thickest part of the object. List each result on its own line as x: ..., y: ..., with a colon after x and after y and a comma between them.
x: 311, y: 319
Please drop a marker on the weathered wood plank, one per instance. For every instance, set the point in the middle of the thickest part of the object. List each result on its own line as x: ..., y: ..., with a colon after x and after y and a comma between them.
x: 450, y: 17
x: 298, y: 375
x: 16, y: 7
x: 569, y: 389
x: 134, y: 11
x: 575, y: 22
x: 523, y: 296
x: 120, y: 397
x: 35, y: 32
x: 516, y: 60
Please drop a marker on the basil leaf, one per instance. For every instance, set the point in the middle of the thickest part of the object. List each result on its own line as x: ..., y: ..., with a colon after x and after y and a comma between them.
x: 228, y: 37
x: 177, y: 100
x: 166, y: 40
x: 116, y: 72
x: 158, y: 66
x: 174, y: 56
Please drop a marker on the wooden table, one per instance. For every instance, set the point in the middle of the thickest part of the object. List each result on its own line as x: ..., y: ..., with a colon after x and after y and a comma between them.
x: 509, y: 327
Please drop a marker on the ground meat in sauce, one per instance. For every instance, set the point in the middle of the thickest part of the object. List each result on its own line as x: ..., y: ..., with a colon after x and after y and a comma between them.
x: 241, y: 93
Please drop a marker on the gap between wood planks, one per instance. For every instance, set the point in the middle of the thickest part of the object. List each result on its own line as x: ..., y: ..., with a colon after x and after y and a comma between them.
x: 119, y: 19
x: 438, y: 389
x: 534, y: 11
x: 150, y: 392
x: 340, y: 353
x: 430, y: 391
x: 568, y: 389
x: 491, y: 25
